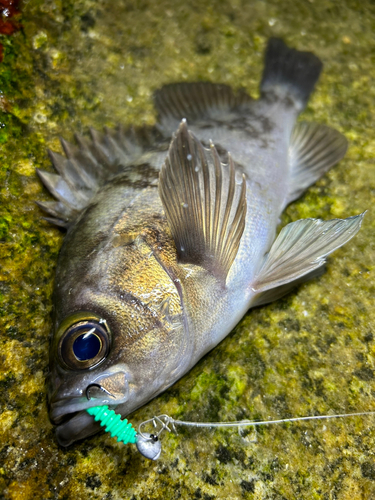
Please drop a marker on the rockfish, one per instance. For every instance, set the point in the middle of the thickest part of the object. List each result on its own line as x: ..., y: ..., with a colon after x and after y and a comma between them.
x: 171, y: 234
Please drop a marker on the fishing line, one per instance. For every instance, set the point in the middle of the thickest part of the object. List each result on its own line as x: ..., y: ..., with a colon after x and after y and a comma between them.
x: 149, y: 445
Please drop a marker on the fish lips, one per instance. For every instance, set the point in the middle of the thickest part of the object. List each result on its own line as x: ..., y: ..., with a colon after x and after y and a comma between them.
x: 61, y: 409
x: 106, y: 389
x: 72, y: 420
x: 79, y: 426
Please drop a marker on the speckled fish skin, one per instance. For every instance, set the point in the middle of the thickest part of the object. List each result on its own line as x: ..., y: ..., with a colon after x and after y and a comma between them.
x: 124, y: 261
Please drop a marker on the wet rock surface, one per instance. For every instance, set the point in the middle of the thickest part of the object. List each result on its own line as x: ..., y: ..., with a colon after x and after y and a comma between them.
x: 79, y: 64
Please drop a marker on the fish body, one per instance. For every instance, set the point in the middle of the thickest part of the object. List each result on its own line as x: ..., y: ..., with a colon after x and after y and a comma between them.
x: 171, y: 234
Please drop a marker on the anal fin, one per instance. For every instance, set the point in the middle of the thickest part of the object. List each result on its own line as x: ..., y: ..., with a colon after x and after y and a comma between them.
x: 204, y: 202
x: 313, y: 150
x: 301, y: 248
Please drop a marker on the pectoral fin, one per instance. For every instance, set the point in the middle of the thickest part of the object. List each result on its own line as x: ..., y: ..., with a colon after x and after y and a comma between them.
x: 204, y: 202
x: 302, y: 247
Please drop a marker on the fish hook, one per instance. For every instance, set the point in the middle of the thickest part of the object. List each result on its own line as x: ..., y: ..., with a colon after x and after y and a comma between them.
x: 99, y: 387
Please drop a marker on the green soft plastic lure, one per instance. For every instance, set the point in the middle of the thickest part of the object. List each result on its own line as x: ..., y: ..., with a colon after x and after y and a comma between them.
x: 148, y: 444
x: 121, y: 429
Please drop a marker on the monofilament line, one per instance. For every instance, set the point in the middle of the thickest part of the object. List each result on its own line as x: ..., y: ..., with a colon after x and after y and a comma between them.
x: 243, y: 423
x: 166, y: 420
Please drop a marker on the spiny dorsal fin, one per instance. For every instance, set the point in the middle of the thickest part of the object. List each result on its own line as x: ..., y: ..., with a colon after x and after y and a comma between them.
x: 204, y: 202
x: 313, y: 150
x: 88, y: 166
x: 196, y: 101
x: 301, y: 247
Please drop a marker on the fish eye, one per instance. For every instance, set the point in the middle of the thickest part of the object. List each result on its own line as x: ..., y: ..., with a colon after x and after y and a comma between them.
x: 84, y: 344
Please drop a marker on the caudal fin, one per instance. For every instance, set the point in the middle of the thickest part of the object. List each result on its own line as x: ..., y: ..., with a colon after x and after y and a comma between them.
x: 290, y: 71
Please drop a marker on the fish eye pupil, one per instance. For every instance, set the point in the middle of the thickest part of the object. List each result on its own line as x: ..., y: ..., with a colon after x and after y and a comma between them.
x: 83, y: 344
x: 86, y: 346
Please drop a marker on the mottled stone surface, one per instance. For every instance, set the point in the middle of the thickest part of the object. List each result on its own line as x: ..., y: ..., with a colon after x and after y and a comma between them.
x: 83, y: 63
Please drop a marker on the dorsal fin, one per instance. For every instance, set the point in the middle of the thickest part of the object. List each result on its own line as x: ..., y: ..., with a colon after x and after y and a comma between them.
x: 196, y: 101
x: 89, y: 165
x: 204, y: 202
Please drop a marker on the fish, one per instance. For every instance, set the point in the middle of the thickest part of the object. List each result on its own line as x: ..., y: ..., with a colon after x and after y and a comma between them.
x: 171, y: 234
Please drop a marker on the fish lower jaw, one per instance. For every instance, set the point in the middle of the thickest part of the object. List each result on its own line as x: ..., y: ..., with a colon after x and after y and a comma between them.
x: 79, y: 426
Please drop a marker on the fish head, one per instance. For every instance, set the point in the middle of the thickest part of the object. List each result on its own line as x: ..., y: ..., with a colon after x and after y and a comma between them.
x: 119, y: 338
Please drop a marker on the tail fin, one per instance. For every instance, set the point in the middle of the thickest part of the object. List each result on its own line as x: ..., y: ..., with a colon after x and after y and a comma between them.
x: 289, y: 69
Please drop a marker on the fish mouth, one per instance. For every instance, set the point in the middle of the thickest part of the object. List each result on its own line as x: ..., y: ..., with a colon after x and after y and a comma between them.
x: 79, y: 425
x: 73, y: 422
x: 95, y: 395
x: 68, y: 411
x: 64, y: 409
